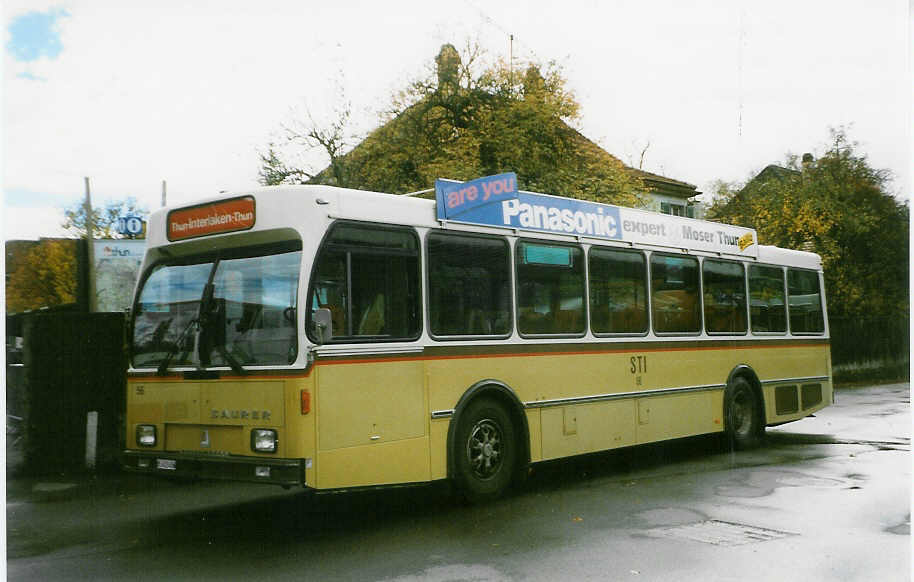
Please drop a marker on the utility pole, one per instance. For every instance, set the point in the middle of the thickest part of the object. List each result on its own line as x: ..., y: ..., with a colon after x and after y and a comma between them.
x: 163, y: 193
x: 90, y: 252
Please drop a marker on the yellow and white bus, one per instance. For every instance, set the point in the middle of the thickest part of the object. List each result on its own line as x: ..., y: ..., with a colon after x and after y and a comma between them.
x: 333, y: 338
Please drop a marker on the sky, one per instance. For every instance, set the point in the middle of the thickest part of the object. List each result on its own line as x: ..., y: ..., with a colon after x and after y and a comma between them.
x: 133, y: 93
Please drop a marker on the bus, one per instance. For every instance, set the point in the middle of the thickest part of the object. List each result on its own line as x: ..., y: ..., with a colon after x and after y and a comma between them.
x: 335, y: 339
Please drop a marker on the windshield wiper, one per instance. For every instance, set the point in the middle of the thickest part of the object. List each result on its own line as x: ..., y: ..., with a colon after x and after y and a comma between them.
x: 163, y: 367
x: 232, y: 360
x: 208, y: 315
x: 212, y: 313
x: 202, y: 308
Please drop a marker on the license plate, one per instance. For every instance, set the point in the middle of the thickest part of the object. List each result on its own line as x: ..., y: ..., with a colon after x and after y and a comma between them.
x: 167, y: 464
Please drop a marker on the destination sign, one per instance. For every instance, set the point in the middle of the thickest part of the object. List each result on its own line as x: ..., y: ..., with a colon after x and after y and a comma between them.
x: 554, y: 214
x: 211, y: 218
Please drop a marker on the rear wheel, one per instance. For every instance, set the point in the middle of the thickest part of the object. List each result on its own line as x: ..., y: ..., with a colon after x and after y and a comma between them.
x: 485, y: 450
x: 743, y: 422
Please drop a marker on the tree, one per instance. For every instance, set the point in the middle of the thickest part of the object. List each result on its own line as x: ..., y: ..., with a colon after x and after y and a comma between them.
x: 104, y: 218
x: 837, y: 206
x: 44, y: 276
x: 462, y: 120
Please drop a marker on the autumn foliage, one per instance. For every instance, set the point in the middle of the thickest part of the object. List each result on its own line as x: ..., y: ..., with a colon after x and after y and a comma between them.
x: 42, y: 276
x: 464, y: 120
x: 839, y: 207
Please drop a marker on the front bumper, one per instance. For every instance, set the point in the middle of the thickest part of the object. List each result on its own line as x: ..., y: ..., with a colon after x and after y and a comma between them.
x: 228, y: 468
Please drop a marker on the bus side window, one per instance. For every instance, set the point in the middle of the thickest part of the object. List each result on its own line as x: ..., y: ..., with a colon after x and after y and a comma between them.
x: 329, y: 290
x: 767, y: 307
x: 368, y: 277
x: 373, y: 319
x: 550, y: 289
x: 674, y: 294
x: 469, y: 285
x: 618, y: 291
x: 804, y: 302
x: 724, y: 296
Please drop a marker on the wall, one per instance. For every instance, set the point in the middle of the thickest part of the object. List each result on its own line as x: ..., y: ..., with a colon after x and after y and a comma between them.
x: 74, y: 363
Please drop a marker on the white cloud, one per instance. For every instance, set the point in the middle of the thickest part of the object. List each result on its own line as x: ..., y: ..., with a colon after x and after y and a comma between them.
x: 32, y: 223
x: 189, y: 92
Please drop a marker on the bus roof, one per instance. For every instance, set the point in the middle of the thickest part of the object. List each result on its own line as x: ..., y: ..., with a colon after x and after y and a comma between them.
x: 307, y: 209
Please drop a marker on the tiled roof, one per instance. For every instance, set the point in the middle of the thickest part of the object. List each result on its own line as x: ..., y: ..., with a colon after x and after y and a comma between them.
x: 648, y: 176
x: 654, y: 182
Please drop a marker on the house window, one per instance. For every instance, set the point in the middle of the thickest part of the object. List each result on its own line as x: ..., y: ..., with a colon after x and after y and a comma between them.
x: 674, y: 209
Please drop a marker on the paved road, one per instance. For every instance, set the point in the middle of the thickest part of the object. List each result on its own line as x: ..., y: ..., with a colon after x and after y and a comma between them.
x: 827, y: 498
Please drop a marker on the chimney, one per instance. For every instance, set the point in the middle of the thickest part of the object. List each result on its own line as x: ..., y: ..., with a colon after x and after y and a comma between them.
x: 448, y: 62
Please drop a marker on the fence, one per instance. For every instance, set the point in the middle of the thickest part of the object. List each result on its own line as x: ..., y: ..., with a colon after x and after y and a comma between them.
x: 871, y: 348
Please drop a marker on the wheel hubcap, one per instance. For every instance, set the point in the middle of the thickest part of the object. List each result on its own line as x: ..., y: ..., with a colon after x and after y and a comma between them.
x: 741, y: 414
x: 484, y: 449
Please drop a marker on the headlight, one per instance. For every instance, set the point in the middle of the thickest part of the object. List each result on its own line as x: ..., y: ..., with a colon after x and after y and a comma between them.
x: 263, y: 440
x: 146, y: 435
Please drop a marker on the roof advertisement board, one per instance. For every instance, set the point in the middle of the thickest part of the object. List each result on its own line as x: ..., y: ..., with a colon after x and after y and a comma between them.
x: 495, y: 201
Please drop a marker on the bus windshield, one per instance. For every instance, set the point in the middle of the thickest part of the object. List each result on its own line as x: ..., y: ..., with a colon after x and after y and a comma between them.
x: 222, y: 312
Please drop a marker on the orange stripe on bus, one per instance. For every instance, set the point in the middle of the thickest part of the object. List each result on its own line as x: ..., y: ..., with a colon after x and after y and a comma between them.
x: 176, y: 378
x: 373, y: 358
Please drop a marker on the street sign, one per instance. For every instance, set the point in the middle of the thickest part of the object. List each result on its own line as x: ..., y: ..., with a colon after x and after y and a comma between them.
x: 129, y: 225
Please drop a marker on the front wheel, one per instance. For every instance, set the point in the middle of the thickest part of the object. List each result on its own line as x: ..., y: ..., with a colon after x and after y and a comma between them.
x: 485, y: 451
x: 743, y: 424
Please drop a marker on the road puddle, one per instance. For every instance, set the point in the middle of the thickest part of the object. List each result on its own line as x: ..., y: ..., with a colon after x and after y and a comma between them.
x: 902, y: 529
x: 764, y: 483
x: 669, y: 516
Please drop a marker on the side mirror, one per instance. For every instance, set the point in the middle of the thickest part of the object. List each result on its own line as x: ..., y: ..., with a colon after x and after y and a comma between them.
x: 323, y: 325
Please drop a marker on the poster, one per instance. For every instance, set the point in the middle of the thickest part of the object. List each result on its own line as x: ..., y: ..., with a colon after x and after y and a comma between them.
x: 117, y: 266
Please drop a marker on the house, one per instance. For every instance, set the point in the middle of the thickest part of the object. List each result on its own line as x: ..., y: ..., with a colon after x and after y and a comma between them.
x: 669, y: 196
x: 387, y: 159
x: 763, y: 184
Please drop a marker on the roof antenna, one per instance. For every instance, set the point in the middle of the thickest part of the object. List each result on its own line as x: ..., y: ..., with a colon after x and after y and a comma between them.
x: 511, y: 59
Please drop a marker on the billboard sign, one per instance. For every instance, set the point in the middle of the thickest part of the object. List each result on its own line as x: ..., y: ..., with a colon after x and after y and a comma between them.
x: 456, y: 199
x: 116, y: 269
x: 469, y: 203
